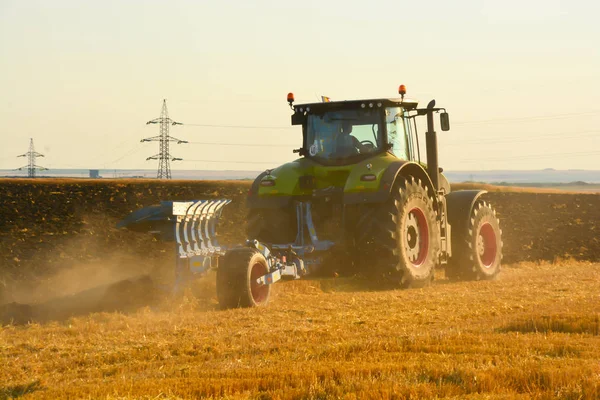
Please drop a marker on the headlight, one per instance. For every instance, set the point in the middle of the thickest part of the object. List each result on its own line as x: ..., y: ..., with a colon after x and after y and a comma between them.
x: 368, y: 178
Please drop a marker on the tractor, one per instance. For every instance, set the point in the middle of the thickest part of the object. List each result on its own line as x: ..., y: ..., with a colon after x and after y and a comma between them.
x: 359, y: 200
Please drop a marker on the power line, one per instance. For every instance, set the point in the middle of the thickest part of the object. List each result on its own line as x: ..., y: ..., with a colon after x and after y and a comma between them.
x: 534, y: 156
x: 31, y: 156
x: 239, y: 162
x: 532, y: 118
x: 239, y: 126
x: 94, y: 160
x: 243, y: 144
x: 524, y: 137
x: 164, y: 157
x: 496, y: 120
x: 129, y: 153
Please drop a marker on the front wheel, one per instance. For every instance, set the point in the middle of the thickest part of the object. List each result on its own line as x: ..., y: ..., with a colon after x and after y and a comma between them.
x: 477, y: 252
x: 237, y: 274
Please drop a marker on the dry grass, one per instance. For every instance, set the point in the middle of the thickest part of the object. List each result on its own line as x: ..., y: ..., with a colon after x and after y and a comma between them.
x: 532, y: 333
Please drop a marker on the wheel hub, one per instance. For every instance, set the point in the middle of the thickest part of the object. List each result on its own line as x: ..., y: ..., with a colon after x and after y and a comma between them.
x: 480, y: 244
x: 486, y: 246
x: 259, y: 292
x: 412, y: 238
x: 416, y: 244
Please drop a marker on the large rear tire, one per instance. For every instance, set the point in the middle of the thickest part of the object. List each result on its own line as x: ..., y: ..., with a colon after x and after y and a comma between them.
x: 399, y: 240
x: 236, y: 279
x: 477, y: 252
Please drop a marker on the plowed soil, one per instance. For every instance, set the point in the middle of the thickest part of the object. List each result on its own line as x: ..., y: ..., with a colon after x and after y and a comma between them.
x: 52, y: 225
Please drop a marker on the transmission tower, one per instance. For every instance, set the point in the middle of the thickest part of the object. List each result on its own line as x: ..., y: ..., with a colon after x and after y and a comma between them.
x: 163, y: 157
x: 31, y: 156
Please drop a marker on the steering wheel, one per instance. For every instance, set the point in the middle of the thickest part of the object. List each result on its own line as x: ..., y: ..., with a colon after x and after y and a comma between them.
x: 367, y: 144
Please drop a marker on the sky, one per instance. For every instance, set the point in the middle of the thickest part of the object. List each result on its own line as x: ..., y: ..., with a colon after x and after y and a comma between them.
x: 520, y: 79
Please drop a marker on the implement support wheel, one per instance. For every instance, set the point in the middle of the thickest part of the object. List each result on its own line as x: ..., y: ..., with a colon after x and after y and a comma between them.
x: 236, y: 279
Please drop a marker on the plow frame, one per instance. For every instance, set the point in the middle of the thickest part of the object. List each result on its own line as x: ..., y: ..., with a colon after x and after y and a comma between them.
x: 193, y: 227
x: 293, y: 260
x: 197, y: 247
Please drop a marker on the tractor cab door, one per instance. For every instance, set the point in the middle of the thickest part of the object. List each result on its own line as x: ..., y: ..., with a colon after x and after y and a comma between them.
x: 399, y: 133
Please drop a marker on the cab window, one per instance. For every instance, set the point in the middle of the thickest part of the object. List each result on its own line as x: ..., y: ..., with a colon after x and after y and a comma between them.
x: 396, y: 132
x: 344, y: 135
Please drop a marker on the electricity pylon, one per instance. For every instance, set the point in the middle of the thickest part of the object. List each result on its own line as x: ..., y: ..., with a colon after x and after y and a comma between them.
x: 31, y: 156
x: 164, y: 157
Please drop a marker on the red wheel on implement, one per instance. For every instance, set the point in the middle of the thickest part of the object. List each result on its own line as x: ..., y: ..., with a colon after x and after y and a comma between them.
x: 259, y: 293
x: 237, y: 277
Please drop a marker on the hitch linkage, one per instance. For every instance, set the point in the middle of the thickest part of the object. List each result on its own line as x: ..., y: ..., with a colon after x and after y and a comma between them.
x: 292, y: 260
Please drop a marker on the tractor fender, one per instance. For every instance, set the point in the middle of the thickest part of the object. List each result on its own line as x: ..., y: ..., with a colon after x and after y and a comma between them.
x: 254, y: 201
x: 406, y: 169
x: 255, y: 185
x: 290, y: 175
x: 459, y: 205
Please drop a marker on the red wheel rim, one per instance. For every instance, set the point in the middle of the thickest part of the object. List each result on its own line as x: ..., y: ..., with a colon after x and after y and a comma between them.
x: 259, y: 292
x: 486, y: 245
x: 417, y: 237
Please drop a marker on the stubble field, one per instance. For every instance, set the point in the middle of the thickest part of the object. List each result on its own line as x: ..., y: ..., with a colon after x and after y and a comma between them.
x: 534, y: 332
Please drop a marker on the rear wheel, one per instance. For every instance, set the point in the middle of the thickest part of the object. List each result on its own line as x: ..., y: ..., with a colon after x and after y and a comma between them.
x: 399, y: 240
x: 236, y: 279
x: 477, y: 252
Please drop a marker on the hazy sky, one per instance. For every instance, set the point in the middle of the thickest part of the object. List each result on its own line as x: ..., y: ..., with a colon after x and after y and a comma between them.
x: 521, y: 79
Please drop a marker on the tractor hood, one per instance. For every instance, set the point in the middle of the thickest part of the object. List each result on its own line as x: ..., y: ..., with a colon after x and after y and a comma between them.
x: 304, y: 178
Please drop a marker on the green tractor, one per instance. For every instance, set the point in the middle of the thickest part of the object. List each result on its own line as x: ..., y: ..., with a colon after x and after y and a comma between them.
x: 378, y: 209
x: 359, y: 200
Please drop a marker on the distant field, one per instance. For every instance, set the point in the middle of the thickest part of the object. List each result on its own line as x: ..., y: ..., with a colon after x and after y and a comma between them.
x: 576, y: 188
x: 529, y: 188
x: 535, y: 332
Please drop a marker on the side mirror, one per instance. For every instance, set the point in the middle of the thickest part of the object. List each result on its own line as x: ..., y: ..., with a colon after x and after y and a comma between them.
x: 445, y: 121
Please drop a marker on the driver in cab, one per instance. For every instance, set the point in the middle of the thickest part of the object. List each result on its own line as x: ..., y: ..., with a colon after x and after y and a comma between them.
x: 347, y: 145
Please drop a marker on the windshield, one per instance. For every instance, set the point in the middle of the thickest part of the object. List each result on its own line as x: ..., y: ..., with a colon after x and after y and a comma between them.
x: 344, y: 134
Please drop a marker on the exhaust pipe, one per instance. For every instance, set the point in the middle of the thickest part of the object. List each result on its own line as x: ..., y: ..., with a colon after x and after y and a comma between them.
x: 432, y: 147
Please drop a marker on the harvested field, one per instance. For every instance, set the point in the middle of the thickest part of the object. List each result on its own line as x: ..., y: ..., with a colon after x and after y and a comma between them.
x: 534, y: 332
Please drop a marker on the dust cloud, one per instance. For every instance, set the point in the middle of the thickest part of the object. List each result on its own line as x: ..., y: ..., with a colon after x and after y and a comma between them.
x: 116, y: 282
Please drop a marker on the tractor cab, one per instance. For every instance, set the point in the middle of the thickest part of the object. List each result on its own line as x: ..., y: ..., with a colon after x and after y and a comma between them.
x: 347, y: 132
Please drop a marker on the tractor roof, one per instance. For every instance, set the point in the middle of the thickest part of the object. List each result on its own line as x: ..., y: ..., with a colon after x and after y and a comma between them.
x: 354, y: 104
